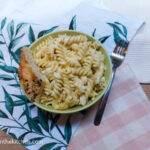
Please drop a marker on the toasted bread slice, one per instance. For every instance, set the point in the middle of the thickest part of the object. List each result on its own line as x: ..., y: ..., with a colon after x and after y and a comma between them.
x: 30, y: 77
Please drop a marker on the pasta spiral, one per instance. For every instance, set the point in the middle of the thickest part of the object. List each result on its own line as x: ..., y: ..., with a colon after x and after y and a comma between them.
x: 74, y: 67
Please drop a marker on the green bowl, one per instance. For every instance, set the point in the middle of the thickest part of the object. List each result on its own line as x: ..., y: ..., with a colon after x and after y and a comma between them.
x: 107, y: 73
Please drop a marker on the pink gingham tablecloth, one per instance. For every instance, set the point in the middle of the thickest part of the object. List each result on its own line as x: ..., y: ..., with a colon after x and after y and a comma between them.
x: 126, y: 121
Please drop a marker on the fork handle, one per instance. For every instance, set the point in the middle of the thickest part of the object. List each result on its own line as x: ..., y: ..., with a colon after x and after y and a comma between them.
x: 103, y: 101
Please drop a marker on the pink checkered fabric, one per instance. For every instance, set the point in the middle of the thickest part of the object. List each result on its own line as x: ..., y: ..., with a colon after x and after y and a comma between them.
x: 126, y: 121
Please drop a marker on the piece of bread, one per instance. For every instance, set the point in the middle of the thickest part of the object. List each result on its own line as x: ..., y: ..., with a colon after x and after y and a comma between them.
x: 30, y: 77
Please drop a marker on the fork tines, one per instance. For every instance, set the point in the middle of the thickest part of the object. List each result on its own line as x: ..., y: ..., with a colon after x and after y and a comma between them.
x: 121, y: 47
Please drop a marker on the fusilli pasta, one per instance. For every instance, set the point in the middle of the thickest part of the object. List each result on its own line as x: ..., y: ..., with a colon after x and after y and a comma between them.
x: 74, y: 67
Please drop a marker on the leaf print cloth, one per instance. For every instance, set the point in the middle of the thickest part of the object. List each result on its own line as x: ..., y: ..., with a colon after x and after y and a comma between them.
x: 32, y: 127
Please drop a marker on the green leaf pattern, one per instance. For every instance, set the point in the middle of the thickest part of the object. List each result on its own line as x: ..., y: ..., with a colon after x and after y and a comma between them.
x: 9, y: 69
x: 19, y: 27
x: 93, y: 34
x: 119, y: 32
x: 6, y: 77
x: 3, y: 22
x: 1, y: 55
x: 31, y: 35
x: 8, y: 101
x: 68, y: 131
x: 72, y: 25
x: 3, y: 115
x: 48, y: 146
x: 44, y: 32
x: 10, y: 30
x: 2, y: 42
x: 43, y: 119
x: 104, y: 38
x: 15, y: 41
x: 34, y: 124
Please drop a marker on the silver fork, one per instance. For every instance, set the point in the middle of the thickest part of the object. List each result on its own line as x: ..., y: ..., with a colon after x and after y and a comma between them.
x: 118, y: 56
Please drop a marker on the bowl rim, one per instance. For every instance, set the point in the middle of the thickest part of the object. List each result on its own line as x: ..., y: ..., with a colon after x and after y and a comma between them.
x: 67, y: 111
